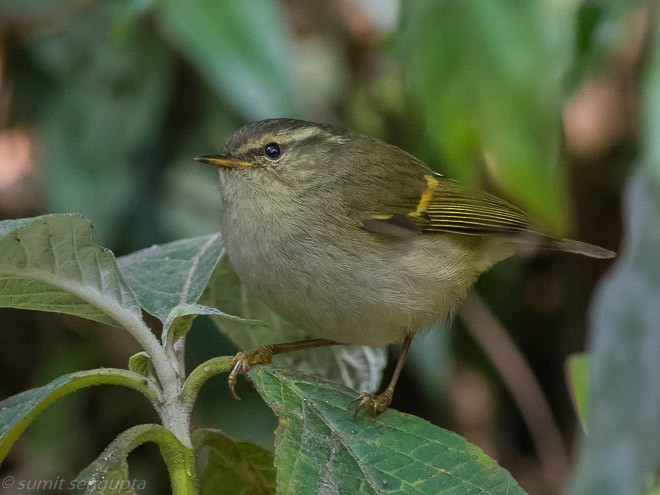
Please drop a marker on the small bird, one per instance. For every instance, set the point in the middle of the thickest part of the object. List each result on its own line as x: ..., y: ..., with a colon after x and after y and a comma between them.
x: 356, y: 241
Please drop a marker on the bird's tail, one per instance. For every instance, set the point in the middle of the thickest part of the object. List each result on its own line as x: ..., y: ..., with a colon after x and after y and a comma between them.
x: 578, y: 247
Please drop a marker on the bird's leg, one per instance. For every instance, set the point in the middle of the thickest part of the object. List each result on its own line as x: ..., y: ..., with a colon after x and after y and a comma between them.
x: 374, y: 404
x: 242, y: 361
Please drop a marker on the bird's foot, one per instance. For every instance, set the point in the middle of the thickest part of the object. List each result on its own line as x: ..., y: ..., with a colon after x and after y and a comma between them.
x: 243, y: 361
x: 373, y: 404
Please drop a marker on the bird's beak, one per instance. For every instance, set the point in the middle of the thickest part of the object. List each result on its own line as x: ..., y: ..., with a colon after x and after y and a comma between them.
x: 222, y: 161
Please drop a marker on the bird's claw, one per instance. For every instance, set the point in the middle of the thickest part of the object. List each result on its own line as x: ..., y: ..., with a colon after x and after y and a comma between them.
x: 243, y: 361
x: 372, y: 404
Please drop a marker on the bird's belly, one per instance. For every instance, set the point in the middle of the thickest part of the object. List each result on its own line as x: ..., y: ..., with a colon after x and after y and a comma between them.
x: 374, y: 298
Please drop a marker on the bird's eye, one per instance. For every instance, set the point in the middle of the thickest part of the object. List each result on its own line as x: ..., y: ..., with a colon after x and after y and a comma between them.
x: 272, y: 150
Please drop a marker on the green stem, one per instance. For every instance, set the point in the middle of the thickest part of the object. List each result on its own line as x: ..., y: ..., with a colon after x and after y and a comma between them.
x: 145, y: 337
x: 118, y: 376
x: 199, y: 376
x: 171, y: 409
x: 179, y: 459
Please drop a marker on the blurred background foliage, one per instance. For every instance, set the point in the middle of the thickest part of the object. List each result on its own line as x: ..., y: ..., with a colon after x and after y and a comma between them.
x: 103, y: 104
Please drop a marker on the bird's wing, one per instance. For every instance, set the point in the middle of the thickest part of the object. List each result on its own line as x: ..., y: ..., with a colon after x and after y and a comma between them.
x: 445, y: 206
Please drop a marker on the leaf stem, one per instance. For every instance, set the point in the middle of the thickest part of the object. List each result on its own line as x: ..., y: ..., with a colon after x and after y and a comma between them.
x: 145, y: 337
x: 171, y: 411
x: 199, y: 376
x: 179, y: 459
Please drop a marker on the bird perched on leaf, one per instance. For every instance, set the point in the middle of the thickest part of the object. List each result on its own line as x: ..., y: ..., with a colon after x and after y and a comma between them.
x: 356, y: 241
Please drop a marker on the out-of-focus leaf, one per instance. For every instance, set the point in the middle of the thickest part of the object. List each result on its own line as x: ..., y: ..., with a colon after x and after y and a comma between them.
x: 359, y: 367
x: 623, y: 446
x: 430, y: 360
x: 242, y: 50
x: 651, y: 109
x: 589, y: 17
x: 578, y: 367
x: 20, y: 10
x: 622, y: 451
x: 168, y: 275
x: 234, y: 467
x: 18, y: 411
x: 107, y: 109
x: 321, y: 447
x: 46, y: 436
x: 191, y: 202
x: 600, y: 25
x: 134, y: 10
x: 490, y: 81
x: 55, y: 263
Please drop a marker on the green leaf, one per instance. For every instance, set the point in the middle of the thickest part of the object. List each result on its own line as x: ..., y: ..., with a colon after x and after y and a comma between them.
x: 321, y: 447
x: 108, y: 474
x: 233, y: 466
x: 18, y: 411
x: 181, y: 318
x: 578, y: 366
x: 359, y: 367
x: 178, y: 324
x: 255, y: 73
x: 622, y: 449
x: 55, y: 263
x: 489, y: 77
x: 141, y: 364
x: 168, y: 275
